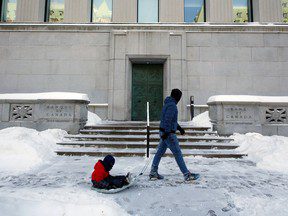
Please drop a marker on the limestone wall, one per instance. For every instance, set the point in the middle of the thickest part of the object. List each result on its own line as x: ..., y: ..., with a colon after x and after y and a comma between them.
x: 55, y: 61
x: 97, y: 60
x: 254, y: 63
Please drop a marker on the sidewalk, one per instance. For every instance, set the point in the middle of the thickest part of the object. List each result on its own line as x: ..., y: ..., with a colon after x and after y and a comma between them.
x: 227, y: 187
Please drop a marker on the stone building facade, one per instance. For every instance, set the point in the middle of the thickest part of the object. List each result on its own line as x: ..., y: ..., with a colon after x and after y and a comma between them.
x: 102, y: 59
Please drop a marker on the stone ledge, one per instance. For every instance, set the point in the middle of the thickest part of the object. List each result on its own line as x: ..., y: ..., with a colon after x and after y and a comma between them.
x: 244, y: 114
x: 41, y: 111
x: 90, y: 27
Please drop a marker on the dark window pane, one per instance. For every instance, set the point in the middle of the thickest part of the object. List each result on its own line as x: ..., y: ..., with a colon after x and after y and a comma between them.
x: 285, y: 10
x: 240, y: 11
x: 9, y: 10
x: 194, y: 11
x: 56, y: 11
x: 102, y: 11
x: 147, y: 11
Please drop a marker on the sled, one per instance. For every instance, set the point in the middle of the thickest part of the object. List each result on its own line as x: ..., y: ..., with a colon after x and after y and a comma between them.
x: 117, y: 190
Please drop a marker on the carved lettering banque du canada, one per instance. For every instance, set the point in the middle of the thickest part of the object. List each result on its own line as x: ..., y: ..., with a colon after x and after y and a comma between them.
x: 59, y: 112
x: 238, y: 114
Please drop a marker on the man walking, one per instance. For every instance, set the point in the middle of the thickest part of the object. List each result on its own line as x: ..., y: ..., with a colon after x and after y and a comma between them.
x: 168, y: 138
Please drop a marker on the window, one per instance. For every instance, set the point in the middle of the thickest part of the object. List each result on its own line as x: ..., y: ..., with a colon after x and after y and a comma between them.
x: 194, y: 11
x: 148, y: 11
x: 55, y: 10
x: 9, y: 10
x: 242, y: 11
x: 285, y: 10
x: 102, y: 11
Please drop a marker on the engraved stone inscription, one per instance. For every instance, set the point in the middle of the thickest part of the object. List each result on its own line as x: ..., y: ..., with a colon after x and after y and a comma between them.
x: 238, y: 114
x: 58, y: 112
x: 21, y: 112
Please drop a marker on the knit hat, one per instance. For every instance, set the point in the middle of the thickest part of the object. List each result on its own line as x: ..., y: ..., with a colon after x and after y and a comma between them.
x: 108, y: 162
x: 176, y: 94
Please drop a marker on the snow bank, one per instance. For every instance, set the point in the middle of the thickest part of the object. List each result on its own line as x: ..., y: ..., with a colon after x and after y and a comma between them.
x: 45, y: 96
x: 58, y: 202
x: 93, y: 119
x: 267, y: 152
x: 201, y: 120
x: 22, y: 149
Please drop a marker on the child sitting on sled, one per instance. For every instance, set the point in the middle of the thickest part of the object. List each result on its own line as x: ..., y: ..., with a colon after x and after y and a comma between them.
x: 101, y: 178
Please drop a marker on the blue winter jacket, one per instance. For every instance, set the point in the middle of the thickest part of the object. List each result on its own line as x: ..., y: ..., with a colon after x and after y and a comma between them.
x: 169, y: 115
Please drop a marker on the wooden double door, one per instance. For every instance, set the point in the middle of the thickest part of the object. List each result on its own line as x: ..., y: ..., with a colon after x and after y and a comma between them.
x: 147, y: 86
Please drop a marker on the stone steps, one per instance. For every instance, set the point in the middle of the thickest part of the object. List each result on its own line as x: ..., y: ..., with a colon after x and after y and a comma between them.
x: 140, y: 132
x: 140, y: 138
x: 142, y: 145
x: 139, y: 127
x: 101, y: 152
x: 127, y: 139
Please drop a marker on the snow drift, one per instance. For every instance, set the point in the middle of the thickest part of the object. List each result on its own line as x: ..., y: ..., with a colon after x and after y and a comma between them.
x: 93, y: 119
x: 267, y: 152
x: 201, y: 120
x: 58, y: 202
x: 22, y: 149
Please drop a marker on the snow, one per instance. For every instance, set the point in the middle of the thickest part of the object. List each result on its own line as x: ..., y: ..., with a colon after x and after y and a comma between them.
x: 228, y: 187
x: 267, y: 152
x: 247, y: 99
x: 41, y: 183
x: 201, y: 120
x: 45, y: 96
x: 56, y: 202
x: 93, y: 119
x: 22, y: 149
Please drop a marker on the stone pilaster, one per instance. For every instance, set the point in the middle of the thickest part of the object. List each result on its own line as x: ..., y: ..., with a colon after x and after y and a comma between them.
x: 219, y: 11
x: 124, y: 11
x: 77, y: 11
x: 30, y: 11
x: 171, y: 11
x: 267, y: 10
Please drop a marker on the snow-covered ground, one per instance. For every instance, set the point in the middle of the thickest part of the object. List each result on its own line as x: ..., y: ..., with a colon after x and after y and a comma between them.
x: 34, y: 181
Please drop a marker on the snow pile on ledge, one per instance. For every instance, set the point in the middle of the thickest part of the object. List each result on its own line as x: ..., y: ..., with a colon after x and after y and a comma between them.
x: 247, y: 98
x: 22, y: 149
x: 267, y: 152
x: 201, y: 120
x: 93, y: 119
x: 45, y: 96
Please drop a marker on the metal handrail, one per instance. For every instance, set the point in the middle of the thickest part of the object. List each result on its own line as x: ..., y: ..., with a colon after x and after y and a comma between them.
x: 192, y: 107
x: 148, y: 131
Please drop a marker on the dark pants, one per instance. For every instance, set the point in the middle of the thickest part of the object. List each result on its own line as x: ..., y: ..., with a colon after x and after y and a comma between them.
x: 111, y: 182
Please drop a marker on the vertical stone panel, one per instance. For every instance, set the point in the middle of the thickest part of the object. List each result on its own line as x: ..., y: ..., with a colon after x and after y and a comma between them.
x: 77, y: 11
x: 124, y: 11
x: 267, y: 10
x: 30, y: 11
x: 171, y: 11
x: 219, y: 11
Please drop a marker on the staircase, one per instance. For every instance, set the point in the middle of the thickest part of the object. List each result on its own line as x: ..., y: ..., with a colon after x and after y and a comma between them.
x: 125, y: 139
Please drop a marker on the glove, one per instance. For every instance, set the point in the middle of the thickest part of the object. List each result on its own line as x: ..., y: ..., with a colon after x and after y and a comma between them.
x: 164, y: 136
x: 182, y: 131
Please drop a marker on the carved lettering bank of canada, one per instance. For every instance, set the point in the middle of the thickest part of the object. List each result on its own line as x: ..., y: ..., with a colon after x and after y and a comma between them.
x: 239, y: 114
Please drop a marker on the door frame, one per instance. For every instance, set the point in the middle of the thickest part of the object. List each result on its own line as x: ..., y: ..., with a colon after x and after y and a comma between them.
x: 144, y: 59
